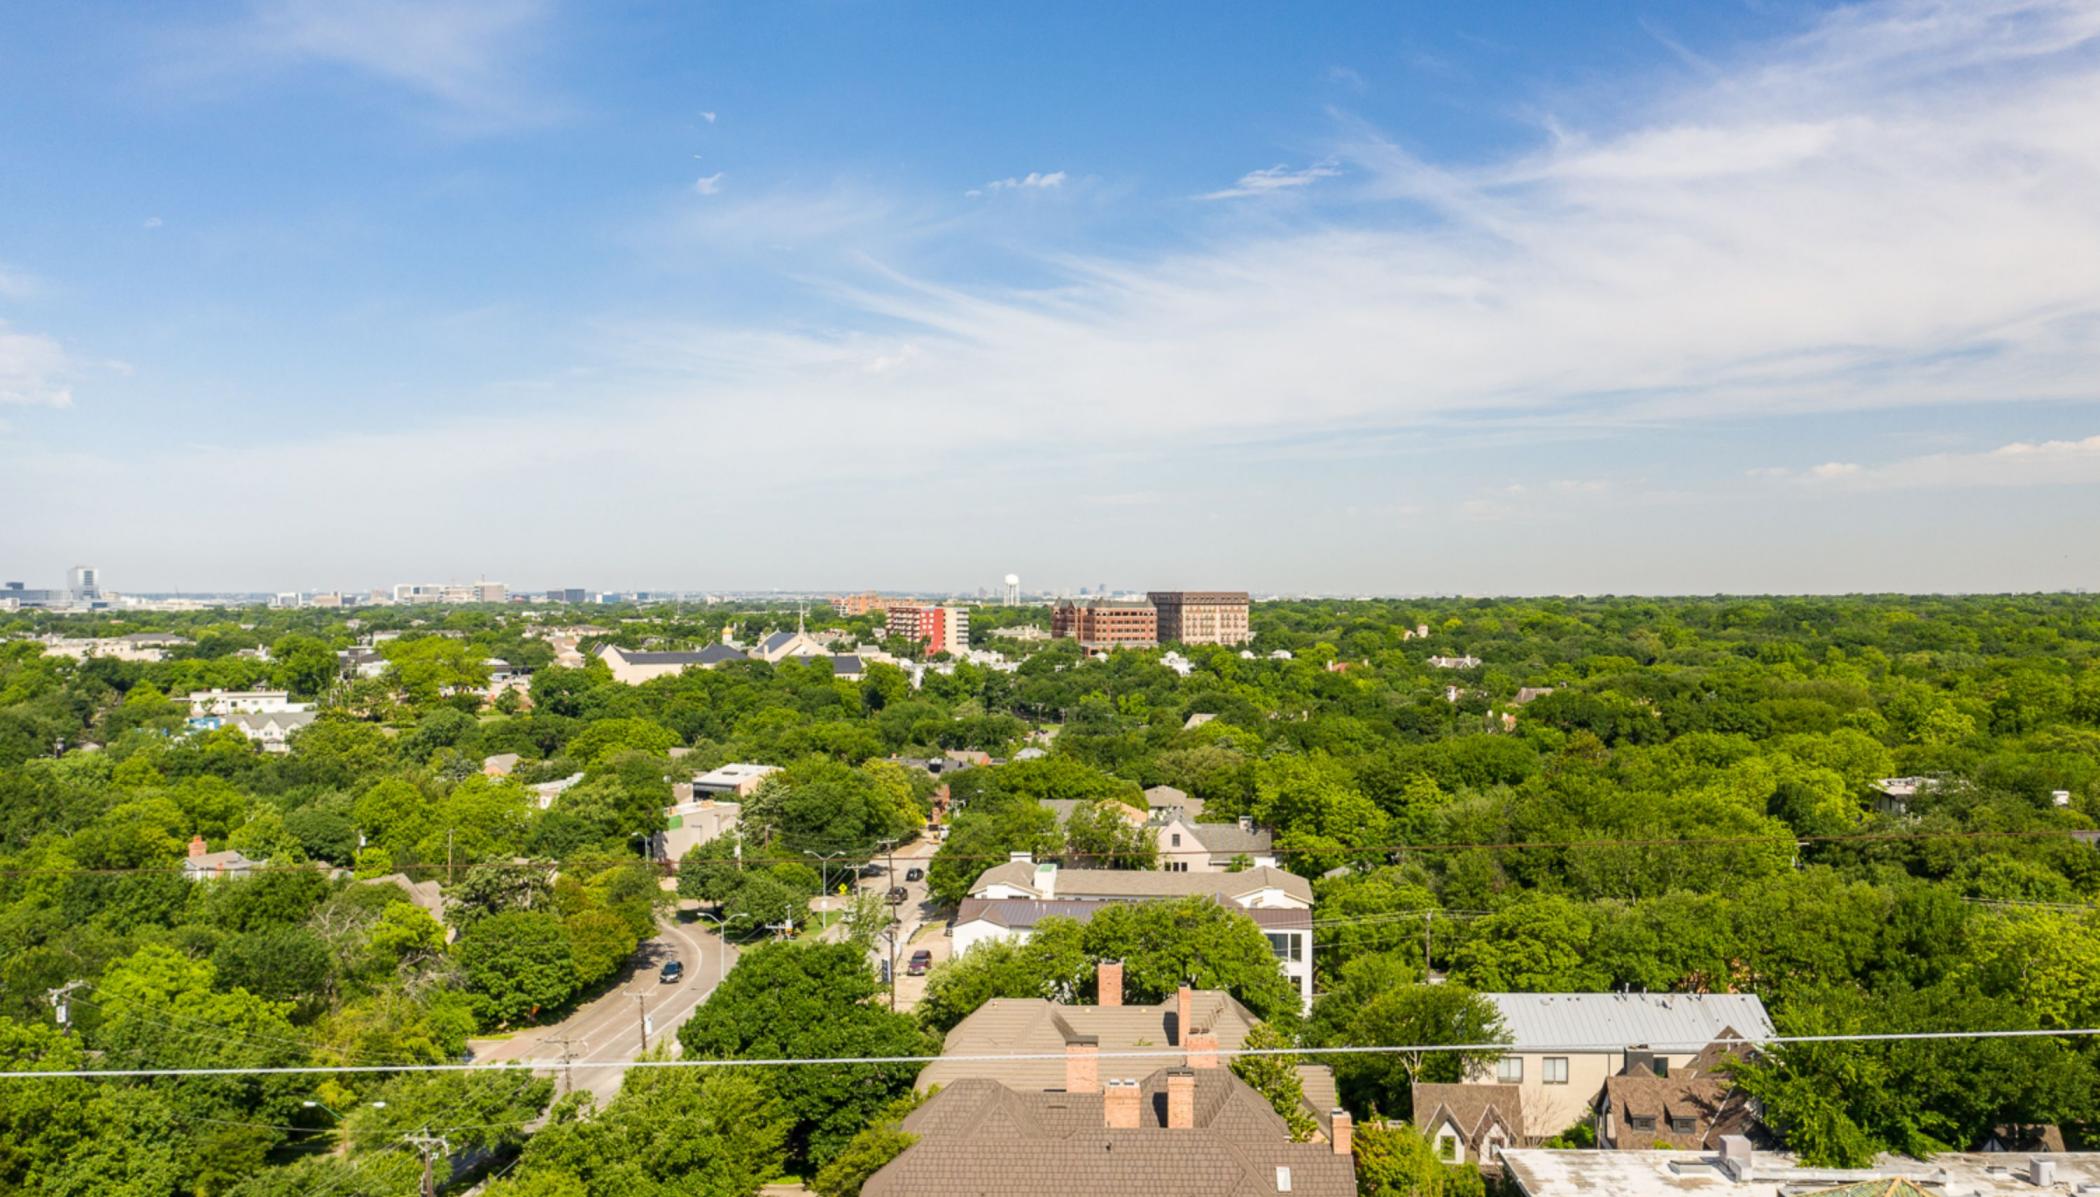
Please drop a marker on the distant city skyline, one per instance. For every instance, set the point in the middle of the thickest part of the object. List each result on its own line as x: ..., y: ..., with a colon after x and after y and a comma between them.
x: 1502, y: 298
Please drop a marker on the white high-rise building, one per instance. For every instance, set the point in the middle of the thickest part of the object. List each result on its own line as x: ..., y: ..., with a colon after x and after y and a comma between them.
x: 85, y: 582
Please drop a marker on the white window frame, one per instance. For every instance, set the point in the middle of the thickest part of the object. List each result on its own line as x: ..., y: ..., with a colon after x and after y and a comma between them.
x: 1548, y: 1068
x: 1509, y: 1070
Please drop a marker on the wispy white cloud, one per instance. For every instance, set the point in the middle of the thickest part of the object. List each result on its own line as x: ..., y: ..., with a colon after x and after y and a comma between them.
x: 1032, y: 181
x: 2018, y: 464
x: 709, y: 117
x: 1272, y: 179
x: 708, y: 184
x: 33, y: 370
x: 151, y: 222
x: 465, y: 56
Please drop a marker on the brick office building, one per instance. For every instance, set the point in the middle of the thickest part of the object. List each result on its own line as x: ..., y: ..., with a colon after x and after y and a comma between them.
x: 1106, y: 623
x: 1201, y: 616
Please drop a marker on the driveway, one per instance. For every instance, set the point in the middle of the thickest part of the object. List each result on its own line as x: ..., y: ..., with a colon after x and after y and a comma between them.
x: 611, y: 1027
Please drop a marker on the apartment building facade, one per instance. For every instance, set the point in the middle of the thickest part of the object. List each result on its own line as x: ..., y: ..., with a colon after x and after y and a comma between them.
x: 1201, y: 616
x: 1106, y: 623
x: 940, y: 629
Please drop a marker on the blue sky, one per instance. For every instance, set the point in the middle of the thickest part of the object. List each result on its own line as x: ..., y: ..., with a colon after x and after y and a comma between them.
x: 1491, y: 298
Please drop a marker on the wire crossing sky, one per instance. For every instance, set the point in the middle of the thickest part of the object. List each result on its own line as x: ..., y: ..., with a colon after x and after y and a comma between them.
x: 1495, y: 298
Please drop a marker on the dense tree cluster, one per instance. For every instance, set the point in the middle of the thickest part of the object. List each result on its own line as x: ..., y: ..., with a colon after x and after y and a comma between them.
x: 1659, y: 794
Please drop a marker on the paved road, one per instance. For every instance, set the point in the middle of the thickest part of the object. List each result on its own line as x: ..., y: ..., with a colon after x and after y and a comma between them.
x: 913, y: 914
x: 610, y: 1028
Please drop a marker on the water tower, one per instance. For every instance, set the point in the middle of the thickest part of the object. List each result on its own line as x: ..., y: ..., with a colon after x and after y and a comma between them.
x: 1013, y: 590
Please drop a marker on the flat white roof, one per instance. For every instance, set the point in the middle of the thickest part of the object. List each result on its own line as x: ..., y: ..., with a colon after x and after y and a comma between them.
x: 1673, y: 1022
x: 1540, y: 1172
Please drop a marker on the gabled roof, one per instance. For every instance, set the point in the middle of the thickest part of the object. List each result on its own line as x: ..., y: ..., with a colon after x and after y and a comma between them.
x: 978, y: 1137
x: 713, y: 654
x: 1222, y: 838
x: 1470, y: 1109
x: 1674, y: 1022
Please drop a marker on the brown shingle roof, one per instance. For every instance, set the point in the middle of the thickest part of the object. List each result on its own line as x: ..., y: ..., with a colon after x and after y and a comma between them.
x: 1699, y: 1092
x: 978, y: 1138
x: 1472, y: 1108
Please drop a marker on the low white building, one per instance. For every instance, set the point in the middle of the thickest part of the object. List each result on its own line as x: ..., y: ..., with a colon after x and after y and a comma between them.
x: 731, y: 781
x: 691, y: 823
x: 1738, y: 1171
x: 244, y: 702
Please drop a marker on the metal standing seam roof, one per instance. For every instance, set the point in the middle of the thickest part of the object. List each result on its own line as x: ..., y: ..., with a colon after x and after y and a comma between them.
x: 1675, y: 1022
x: 1147, y: 883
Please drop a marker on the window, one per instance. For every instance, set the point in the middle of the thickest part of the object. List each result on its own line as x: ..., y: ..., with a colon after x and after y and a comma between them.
x: 1285, y: 945
x: 1555, y: 1071
x: 1641, y: 1121
x: 1662, y: 1065
x: 1176, y: 838
x: 1447, y: 1148
x: 1509, y: 1070
x: 1683, y: 1126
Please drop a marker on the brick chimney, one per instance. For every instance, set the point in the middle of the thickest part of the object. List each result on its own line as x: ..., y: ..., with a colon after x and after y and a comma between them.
x: 1120, y: 1105
x: 1202, y: 1049
x: 1083, y: 1065
x: 1184, y: 1014
x: 1181, y: 1099
x: 1343, y: 1131
x: 1108, y: 982
x: 197, y: 847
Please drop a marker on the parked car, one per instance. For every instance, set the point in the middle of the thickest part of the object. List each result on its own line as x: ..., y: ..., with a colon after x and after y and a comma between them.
x: 871, y: 869
x: 897, y: 895
x: 915, y: 874
x: 921, y: 960
x: 672, y: 972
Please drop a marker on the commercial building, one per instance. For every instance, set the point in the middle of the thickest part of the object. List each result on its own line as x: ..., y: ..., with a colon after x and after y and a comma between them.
x: 1738, y: 1169
x: 1105, y: 622
x: 1201, y: 616
x: 732, y: 781
x: 940, y: 629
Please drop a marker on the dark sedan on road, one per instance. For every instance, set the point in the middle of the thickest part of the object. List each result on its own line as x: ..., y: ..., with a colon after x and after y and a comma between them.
x: 897, y: 895
x: 672, y: 972
x: 915, y: 874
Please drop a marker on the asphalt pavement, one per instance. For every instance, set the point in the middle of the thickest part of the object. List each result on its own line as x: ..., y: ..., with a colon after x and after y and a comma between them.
x: 612, y: 1026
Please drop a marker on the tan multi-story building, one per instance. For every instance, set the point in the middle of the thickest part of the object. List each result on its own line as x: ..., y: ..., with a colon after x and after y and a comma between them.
x: 858, y: 604
x: 1106, y: 623
x: 1201, y: 616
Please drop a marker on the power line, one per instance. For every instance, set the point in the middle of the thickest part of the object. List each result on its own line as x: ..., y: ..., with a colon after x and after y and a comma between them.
x: 526, y: 1067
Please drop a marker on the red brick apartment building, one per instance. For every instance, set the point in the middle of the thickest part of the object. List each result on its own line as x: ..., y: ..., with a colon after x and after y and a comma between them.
x: 1105, y: 622
x: 1201, y: 616
x: 940, y: 629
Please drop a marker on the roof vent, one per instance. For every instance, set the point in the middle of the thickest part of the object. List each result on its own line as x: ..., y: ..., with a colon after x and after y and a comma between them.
x: 2041, y: 1172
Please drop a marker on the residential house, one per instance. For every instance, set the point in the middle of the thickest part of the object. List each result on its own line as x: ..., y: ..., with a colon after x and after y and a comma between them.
x: 1187, y: 846
x: 1159, y: 799
x: 1686, y: 1109
x: 203, y: 865
x: 1738, y: 1169
x: 1008, y: 900
x: 1564, y: 1046
x: 1531, y: 693
x: 1892, y: 795
x: 1466, y: 662
x: 545, y: 792
x: 500, y: 765
x: 1029, y: 1103
x: 1471, y: 1124
x: 364, y: 662
x: 1063, y: 808
x: 273, y: 730
x: 633, y: 668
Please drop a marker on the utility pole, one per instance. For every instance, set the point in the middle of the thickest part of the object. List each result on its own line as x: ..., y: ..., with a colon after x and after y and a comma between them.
x: 429, y: 1146
x: 1427, y: 918
x: 59, y: 1007
x: 448, y: 856
x: 567, y: 1054
x: 641, y: 1017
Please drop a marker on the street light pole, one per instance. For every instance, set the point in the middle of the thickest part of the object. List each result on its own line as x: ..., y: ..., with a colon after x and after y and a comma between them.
x: 824, y: 860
